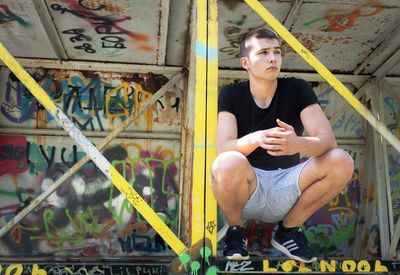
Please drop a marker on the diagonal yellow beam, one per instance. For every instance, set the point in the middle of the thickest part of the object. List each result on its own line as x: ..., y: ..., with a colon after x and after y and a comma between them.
x: 211, y: 121
x: 324, y: 72
x: 102, y: 163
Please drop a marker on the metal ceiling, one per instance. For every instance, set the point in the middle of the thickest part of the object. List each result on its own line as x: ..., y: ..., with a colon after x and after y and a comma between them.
x: 349, y: 37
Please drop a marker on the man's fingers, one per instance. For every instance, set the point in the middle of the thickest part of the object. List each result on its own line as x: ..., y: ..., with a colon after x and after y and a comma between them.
x: 277, y: 134
x: 272, y: 140
x: 284, y: 125
x: 272, y: 147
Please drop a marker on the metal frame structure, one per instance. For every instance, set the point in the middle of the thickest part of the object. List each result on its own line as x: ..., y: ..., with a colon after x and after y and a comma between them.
x: 204, y: 80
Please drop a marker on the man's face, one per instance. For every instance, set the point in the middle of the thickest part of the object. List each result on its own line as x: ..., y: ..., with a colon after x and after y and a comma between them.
x: 264, y: 58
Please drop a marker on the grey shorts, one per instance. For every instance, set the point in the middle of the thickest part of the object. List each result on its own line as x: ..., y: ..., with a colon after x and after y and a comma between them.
x: 276, y: 193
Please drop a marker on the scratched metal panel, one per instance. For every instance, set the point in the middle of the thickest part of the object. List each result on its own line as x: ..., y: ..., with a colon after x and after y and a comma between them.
x: 235, y: 19
x: 22, y: 32
x: 178, y: 27
x: 86, y: 216
x: 105, y: 30
x: 341, y: 37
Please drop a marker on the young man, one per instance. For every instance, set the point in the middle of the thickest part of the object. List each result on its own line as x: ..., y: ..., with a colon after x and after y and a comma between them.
x: 257, y: 174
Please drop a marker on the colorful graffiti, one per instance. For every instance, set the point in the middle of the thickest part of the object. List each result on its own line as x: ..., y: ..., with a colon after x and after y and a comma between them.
x: 79, y: 268
x: 338, y: 19
x: 87, y: 215
x: 92, y: 102
x: 318, y: 267
x: 111, y: 34
x: 8, y: 17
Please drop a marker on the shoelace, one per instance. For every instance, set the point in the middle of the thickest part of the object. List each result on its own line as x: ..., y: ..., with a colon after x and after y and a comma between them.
x: 235, y: 239
x: 303, y: 240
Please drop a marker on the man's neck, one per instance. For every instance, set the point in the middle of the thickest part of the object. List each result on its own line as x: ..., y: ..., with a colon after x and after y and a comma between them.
x: 263, y: 91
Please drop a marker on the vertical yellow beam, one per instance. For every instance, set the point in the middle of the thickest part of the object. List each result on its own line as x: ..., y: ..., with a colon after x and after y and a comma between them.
x: 324, y: 72
x: 197, y: 225
x: 211, y: 120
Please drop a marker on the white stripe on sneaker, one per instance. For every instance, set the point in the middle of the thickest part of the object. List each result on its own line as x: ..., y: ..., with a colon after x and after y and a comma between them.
x: 291, y: 245
x: 288, y: 242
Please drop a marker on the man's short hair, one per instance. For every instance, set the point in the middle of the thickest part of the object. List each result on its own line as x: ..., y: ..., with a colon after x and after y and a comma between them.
x: 259, y: 33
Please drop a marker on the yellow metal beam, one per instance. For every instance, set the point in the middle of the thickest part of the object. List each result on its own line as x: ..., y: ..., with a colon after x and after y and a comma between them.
x: 102, y: 163
x: 324, y: 72
x: 199, y: 157
x: 211, y: 120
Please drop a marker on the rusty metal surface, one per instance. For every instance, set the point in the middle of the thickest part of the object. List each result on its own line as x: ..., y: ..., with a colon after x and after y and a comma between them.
x: 341, y: 33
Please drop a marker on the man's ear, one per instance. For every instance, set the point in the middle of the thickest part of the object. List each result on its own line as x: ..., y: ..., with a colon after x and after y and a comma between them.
x: 244, y: 61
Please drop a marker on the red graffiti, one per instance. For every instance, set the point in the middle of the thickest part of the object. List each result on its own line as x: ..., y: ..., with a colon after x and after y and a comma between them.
x: 341, y: 19
x: 339, y: 22
x: 12, y: 155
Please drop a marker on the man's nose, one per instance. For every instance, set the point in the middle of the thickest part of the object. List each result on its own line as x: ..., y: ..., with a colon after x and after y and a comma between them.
x: 271, y: 58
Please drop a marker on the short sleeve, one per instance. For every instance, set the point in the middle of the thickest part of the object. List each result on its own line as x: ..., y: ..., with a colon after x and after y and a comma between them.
x: 226, y: 99
x: 305, y: 95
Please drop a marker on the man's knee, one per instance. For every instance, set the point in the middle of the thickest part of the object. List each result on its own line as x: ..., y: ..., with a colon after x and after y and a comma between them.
x: 227, y: 167
x: 342, y: 165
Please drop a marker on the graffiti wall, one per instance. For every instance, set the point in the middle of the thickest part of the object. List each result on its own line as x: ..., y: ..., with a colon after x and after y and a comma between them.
x: 105, y: 29
x: 94, y: 101
x: 87, y: 215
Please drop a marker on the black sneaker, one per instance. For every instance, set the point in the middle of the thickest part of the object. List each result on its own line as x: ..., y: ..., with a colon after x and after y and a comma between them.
x: 294, y: 244
x: 235, y: 244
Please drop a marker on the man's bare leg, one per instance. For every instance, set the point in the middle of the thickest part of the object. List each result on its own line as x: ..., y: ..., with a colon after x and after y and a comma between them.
x: 233, y: 181
x: 320, y: 181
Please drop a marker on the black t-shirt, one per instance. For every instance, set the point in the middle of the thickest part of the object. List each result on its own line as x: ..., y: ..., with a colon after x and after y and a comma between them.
x: 291, y: 97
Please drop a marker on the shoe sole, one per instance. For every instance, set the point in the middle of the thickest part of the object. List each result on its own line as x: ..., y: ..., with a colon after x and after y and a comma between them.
x: 287, y: 253
x: 237, y: 257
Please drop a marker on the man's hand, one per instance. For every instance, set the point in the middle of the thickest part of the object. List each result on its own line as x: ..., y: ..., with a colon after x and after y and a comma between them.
x: 279, y: 141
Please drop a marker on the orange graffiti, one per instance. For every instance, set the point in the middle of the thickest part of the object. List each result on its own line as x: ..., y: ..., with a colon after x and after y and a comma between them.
x: 141, y: 96
x: 139, y: 229
x: 105, y: 232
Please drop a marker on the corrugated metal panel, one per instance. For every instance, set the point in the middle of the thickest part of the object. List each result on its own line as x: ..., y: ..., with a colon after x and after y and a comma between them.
x: 22, y: 32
